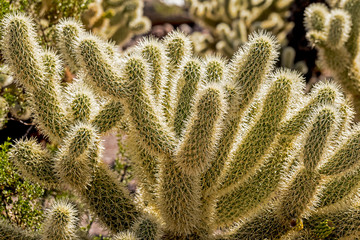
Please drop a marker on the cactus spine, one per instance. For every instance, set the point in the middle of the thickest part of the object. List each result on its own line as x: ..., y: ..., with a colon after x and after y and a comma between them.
x: 236, y: 146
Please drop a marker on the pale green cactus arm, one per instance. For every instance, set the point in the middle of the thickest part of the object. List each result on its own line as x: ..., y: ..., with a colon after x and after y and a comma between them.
x: 154, y: 53
x: 177, y: 47
x: 147, y: 166
x: 337, y: 41
x: 4, y: 108
x: 262, y: 133
x: 190, y: 80
x: 125, y: 236
x: 67, y: 31
x: 108, y: 116
x: 34, y: 163
x: 343, y: 187
x: 247, y: 195
x: 214, y: 69
x: 353, y: 8
x: 81, y: 102
x: 179, y: 199
x: 315, y: 17
x: 304, y: 184
x: 346, y: 157
x: 96, y: 63
x: 10, y: 232
x: 60, y: 222
x: 103, y: 191
x: 146, y: 119
x: 147, y: 228
x: 197, y: 147
x: 26, y: 50
x: 245, y: 75
x: 38, y: 71
x: 74, y: 164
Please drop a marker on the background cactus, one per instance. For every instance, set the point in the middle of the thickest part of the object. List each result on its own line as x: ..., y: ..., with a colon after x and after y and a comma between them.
x: 230, y: 22
x: 221, y: 151
x: 118, y: 20
x: 335, y: 33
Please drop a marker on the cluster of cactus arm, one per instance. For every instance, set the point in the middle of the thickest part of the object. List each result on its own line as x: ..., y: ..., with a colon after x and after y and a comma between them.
x: 335, y: 33
x: 230, y: 22
x: 118, y: 20
x: 220, y: 150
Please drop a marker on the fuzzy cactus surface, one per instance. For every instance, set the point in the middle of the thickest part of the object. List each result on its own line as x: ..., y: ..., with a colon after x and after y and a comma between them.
x: 335, y: 33
x: 220, y: 150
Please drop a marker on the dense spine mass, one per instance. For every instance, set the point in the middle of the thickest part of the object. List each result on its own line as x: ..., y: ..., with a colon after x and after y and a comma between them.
x: 220, y: 150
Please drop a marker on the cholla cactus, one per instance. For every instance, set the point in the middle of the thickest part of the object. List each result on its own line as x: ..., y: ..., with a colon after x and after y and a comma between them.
x: 230, y: 22
x: 3, y: 111
x: 221, y: 151
x: 335, y: 33
x: 118, y: 20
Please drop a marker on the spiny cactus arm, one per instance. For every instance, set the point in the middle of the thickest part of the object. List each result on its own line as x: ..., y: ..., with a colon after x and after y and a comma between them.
x: 341, y: 222
x: 346, y: 117
x: 190, y: 80
x: 148, y: 227
x: 4, y: 108
x: 81, y: 102
x: 346, y: 156
x: 34, y: 163
x: 68, y: 31
x: 340, y: 188
x: 262, y: 133
x: 103, y: 191
x: 264, y: 224
x: 146, y: 119
x: 46, y: 100
x: 318, y: 138
x: 78, y: 156
x: 301, y: 191
x: 179, y: 199
x: 323, y: 93
x: 247, y: 77
x: 146, y: 167
x: 248, y: 195
x: 353, y: 8
x: 125, y: 236
x: 201, y: 134
x: 60, y: 222
x: 36, y: 70
x: 154, y: 53
x: 338, y: 28
x: 214, y: 69
x: 109, y: 116
x: 315, y: 17
x: 177, y: 47
x: 98, y: 66
x: 10, y: 232
x: 21, y: 50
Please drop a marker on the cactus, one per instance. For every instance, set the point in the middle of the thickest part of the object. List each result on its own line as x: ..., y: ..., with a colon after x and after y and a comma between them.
x: 118, y: 20
x: 3, y: 111
x: 335, y: 34
x: 221, y: 151
x: 230, y: 22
